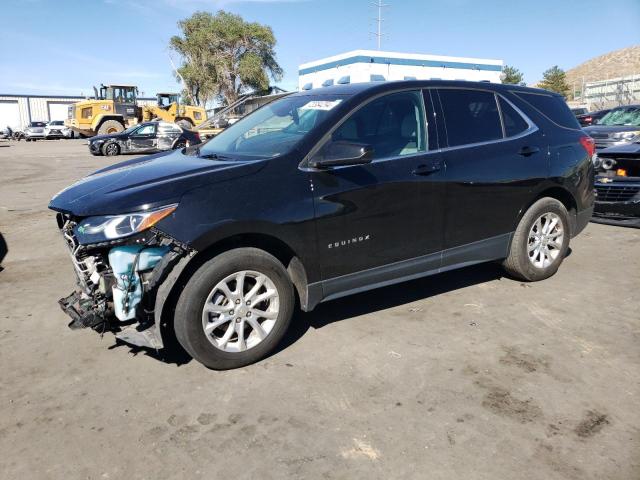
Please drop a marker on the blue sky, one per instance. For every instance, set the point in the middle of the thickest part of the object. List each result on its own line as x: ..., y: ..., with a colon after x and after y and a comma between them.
x: 66, y: 46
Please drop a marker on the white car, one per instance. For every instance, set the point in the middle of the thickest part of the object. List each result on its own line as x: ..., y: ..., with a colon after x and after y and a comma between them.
x: 56, y: 129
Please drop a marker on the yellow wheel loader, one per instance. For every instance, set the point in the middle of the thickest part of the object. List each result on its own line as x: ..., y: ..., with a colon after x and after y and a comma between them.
x: 170, y: 109
x: 115, y: 107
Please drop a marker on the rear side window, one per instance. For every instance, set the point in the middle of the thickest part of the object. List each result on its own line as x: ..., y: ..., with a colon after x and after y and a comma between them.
x: 552, y: 107
x: 513, y: 121
x: 470, y: 116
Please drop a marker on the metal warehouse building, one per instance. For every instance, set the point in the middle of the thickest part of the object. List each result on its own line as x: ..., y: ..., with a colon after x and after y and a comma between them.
x: 16, y: 111
x: 373, y: 65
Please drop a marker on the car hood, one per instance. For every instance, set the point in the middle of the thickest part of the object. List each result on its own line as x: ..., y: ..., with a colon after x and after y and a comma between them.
x: 625, y: 150
x: 609, y: 129
x: 98, y: 138
x: 146, y: 182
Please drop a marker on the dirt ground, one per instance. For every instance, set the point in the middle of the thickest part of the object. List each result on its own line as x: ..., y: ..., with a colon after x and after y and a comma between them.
x: 464, y: 375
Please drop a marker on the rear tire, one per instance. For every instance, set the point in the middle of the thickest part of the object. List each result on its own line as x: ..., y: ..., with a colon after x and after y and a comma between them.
x: 232, y: 311
x: 110, y: 126
x: 540, y: 241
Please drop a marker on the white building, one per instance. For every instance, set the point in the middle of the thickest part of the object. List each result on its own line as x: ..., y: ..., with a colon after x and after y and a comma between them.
x: 16, y: 111
x: 373, y: 65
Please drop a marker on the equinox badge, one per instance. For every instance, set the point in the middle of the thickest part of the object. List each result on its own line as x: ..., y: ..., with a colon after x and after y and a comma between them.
x: 350, y: 241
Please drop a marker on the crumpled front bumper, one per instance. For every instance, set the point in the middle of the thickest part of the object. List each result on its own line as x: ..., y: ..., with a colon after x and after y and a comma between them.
x: 123, y: 286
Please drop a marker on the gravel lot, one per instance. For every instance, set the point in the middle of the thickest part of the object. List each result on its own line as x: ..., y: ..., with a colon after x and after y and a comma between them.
x: 463, y: 375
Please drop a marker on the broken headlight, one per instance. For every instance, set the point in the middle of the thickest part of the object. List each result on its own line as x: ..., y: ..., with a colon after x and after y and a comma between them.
x: 111, y: 227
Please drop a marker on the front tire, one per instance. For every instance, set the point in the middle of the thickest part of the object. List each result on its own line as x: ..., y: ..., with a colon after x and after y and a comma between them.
x: 235, y: 309
x: 540, y: 241
x: 110, y: 149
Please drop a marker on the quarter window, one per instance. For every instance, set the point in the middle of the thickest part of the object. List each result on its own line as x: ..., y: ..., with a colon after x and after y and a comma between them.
x: 470, y: 116
x: 393, y: 125
x: 553, y: 107
x: 513, y: 121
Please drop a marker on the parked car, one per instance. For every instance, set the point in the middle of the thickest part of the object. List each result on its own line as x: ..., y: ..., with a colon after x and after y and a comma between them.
x: 144, y: 138
x: 57, y: 129
x: 34, y: 131
x: 621, y: 125
x: 323, y: 193
x: 591, y: 118
x: 618, y: 185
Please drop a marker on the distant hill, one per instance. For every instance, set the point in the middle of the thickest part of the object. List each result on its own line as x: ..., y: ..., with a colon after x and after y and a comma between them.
x: 618, y: 63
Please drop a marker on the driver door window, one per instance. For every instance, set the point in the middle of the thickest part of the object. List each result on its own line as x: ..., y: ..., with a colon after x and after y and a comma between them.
x: 145, y: 131
x: 393, y: 125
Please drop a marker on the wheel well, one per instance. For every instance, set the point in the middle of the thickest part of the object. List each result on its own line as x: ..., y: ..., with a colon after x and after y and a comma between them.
x: 269, y: 244
x: 562, y: 196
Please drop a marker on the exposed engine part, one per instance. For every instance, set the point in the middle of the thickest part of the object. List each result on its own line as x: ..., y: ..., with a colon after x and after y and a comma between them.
x: 84, y: 311
x: 127, y: 263
x: 119, y: 282
x: 86, y: 266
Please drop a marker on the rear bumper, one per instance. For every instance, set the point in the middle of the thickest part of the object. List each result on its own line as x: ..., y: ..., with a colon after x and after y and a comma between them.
x: 582, y: 220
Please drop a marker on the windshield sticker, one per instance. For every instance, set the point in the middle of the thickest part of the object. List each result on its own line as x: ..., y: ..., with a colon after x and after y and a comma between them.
x: 320, y: 105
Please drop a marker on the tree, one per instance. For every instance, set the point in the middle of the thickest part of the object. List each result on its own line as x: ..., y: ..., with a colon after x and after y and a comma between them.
x: 512, y: 76
x: 555, y: 80
x: 223, y: 56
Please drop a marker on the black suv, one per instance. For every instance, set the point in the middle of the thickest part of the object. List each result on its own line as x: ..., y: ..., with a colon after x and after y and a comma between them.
x: 318, y: 195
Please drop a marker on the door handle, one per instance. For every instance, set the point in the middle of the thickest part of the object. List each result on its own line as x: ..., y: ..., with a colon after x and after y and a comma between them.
x: 427, y: 169
x: 528, y: 151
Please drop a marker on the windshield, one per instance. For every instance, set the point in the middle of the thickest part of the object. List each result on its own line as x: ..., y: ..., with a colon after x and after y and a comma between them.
x: 622, y: 116
x: 273, y: 129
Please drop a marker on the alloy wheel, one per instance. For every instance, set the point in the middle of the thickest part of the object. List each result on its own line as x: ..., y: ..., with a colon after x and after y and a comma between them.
x: 545, y: 240
x: 240, y: 311
x: 111, y: 149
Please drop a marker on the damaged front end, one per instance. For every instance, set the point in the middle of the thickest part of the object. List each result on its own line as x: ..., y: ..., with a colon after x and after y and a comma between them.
x: 119, y: 277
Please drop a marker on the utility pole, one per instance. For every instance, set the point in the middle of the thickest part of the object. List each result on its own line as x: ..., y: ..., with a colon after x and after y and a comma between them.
x: 378, y: 33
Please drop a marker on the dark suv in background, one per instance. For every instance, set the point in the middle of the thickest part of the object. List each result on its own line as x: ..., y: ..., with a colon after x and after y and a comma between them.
x: 318, y: 195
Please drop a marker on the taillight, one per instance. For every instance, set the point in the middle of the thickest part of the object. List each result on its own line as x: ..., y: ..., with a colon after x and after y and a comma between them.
x: 588, y: 144
x: 588, y: 119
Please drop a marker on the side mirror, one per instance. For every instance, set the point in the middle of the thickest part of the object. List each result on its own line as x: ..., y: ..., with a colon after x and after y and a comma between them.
x: 342, y: 153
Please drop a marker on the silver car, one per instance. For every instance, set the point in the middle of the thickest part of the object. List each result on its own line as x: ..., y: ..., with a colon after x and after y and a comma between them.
x: 34, y: 131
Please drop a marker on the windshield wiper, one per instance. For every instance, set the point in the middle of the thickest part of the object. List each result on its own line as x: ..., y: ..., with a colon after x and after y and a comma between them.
x: 211, y: 156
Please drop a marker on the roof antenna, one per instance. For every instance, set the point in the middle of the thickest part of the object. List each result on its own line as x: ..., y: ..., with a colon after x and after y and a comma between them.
x: 378, y: 34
